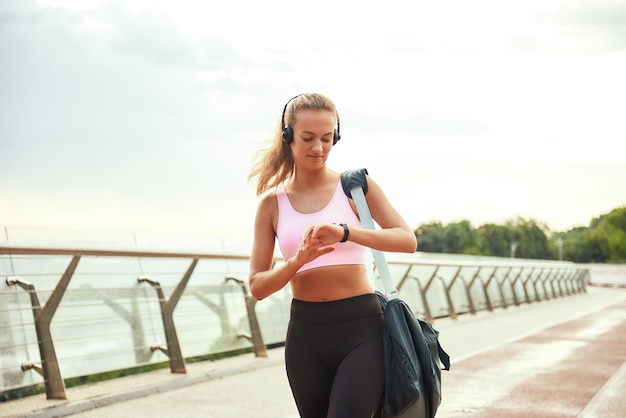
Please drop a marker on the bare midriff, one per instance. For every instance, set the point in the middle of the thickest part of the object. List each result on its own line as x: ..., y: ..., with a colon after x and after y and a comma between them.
x: 328, y: 283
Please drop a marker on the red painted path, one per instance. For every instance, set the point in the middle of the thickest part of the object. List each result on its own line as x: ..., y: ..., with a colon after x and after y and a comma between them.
x: 556, y: 372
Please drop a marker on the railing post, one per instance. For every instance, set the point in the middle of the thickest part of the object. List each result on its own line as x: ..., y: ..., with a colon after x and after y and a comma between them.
x: 468, y: 292
x: 54, y: 384
x: 505, y: 305
x: 559, y: 280
x: 451, y: 310
x: 568, y: 282
x: 554, y: 278
x: 260, y: 350
x: 177, y: 361
x: 543, y: 283
x: 571, y: 280
x: 515, y: 298
x: 485, y: 286
x: 404, y: 278
x: 583, y: 274
x: 524, y: 282
x: 537, y: 297
x: 427, y: 313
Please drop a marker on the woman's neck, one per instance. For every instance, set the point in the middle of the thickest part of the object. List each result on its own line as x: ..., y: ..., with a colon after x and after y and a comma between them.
x: 302, y: 180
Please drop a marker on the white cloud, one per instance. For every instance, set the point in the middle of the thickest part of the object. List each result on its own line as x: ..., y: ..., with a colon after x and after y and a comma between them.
x: 138, y: 113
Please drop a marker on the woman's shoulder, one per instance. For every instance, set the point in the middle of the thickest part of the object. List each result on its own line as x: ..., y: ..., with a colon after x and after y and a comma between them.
x: 269, y: 194
x: 269, y: 199
x: 267, y: 209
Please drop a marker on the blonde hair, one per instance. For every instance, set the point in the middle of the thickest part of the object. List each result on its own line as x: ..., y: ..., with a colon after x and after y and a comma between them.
x: 273, y: 165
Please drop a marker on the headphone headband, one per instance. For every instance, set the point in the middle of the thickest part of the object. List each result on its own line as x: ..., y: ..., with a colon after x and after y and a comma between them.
x: 288, y: 132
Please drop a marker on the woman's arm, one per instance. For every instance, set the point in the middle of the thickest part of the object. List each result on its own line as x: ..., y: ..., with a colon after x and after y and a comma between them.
x: 265, y: 280
x: 395, y: 235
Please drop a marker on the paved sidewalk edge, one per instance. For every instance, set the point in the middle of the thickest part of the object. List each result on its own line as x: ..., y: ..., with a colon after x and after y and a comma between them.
x: 603, y: 403
x: 108, y: 399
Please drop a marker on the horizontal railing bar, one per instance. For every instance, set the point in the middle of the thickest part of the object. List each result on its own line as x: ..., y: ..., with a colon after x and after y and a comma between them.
x: 70, y: 251
x: 401, y: 260
x: 393, y: 259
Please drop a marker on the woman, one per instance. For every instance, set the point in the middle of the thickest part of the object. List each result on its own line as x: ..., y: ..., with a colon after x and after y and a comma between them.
x: 333, y: 347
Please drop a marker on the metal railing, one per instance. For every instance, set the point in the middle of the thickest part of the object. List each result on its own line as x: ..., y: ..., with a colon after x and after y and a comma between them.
x: 458, y: 286
x: 44, y: 312
x: 95, y: 295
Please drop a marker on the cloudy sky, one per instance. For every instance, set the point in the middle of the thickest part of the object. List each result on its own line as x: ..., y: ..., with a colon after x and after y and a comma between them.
x: 144, y: 115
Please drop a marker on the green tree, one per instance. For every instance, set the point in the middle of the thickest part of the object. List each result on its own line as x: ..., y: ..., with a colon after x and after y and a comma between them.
x: 604, y: 241
x: 455, y: 238
x: 532, y: 240
x: 431, y: 238
x: 608, y: 237
x: 461, y: 238
x: 496, y: 240
x: 576, y: 246
x: 614, y: 228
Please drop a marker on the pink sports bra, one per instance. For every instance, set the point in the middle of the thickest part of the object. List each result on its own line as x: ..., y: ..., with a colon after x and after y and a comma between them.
x: 292, y: 224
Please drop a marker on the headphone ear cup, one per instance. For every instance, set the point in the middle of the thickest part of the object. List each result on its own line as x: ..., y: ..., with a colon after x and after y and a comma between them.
x: 336, y: 136
x: 287, y: 135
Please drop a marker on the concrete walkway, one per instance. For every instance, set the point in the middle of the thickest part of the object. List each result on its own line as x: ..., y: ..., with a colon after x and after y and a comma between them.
x: 559, y: 358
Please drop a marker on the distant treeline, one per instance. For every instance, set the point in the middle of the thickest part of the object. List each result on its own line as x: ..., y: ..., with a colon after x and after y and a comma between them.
x: 603, y: 241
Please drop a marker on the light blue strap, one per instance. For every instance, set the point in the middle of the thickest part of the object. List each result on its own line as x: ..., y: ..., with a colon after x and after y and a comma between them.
x: 379, y: 257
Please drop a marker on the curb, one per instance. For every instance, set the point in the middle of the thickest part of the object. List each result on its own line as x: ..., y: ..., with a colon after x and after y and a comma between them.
x: 109, y: 399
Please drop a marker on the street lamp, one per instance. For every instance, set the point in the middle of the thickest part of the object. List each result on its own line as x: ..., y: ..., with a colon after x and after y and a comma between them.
x: 559, y: 243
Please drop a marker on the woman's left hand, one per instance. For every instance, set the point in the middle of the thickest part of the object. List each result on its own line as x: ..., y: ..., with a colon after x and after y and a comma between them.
x: 317, y: 240
x: 323, y: 234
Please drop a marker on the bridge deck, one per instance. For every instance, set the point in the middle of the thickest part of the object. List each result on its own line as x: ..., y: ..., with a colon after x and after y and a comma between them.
x: 559, y: 358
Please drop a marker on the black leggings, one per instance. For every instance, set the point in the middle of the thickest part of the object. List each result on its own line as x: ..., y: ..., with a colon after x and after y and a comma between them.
x: 334, y: 357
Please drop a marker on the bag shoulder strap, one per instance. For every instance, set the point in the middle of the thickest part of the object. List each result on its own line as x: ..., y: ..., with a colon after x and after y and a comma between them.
x: 354, y: 178
x: 354, y: 183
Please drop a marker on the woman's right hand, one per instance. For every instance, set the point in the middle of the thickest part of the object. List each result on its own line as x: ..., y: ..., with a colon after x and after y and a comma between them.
x: 316, y: 241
